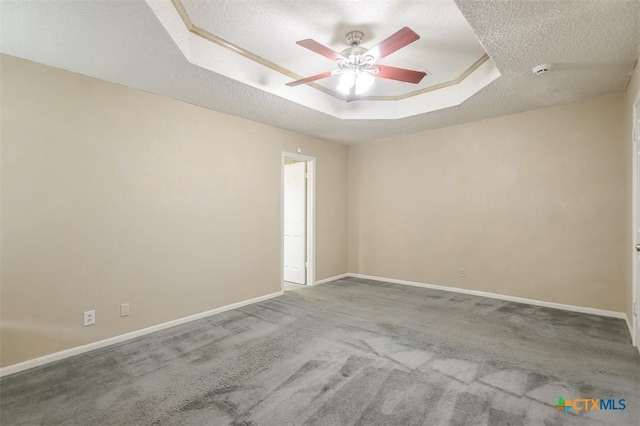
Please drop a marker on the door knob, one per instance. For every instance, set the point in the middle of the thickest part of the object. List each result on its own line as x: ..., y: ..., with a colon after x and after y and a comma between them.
x: 637, y: 247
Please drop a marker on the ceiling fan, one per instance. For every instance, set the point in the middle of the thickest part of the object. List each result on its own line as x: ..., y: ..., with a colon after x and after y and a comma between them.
x: 357, y: 65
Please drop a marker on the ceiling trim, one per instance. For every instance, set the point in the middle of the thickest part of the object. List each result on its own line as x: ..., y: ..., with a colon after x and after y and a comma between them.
x: 207, y: 35
x: 201, y: 32
x: 453, y: 82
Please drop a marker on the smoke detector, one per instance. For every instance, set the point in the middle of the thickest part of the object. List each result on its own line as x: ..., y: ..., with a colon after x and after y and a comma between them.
x: 541, y: 69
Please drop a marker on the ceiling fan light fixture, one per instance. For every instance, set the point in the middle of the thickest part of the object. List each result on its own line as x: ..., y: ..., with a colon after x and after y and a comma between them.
x: 363, y: 82
x: 357, y: 65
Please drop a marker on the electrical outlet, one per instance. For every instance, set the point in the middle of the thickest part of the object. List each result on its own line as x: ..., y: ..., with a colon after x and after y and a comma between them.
x: 463, y: 273
x: 124, y: 310
x: 89, y: 318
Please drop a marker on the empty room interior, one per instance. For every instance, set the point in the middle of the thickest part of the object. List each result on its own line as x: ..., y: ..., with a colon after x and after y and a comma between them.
x: 277, y: 212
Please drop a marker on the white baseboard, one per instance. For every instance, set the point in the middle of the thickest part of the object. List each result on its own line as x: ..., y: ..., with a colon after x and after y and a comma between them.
x: 15, y: 368
x: 626, y: 320
x: 337, y: 277
x: 535, y: 302
x: 636, y: 343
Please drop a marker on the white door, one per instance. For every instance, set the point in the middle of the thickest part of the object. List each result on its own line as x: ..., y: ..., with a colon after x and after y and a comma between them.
x: 636, y: 222
x: 295, y: 202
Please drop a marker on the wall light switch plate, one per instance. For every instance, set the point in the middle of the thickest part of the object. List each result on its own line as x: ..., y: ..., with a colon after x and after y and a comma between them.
x: 124, y: 310
x: 89, y: 318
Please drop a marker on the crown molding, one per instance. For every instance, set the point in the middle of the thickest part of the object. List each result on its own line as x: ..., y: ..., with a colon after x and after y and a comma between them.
x: 207, y: 35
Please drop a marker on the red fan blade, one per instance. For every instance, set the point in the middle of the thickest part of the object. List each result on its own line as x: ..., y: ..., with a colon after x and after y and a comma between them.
x: 310, y: 79
x: 320, y: 49
x: 400, y: 74
x: 392, y: 43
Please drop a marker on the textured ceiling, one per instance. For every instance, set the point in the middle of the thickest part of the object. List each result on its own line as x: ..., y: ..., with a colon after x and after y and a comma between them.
x: 593, y: 45
x: 270, y: 28
x: 254, y: 42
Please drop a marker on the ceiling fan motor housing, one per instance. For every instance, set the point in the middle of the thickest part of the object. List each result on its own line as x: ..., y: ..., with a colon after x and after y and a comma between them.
x: 353, y: 51
x: 354, y: 38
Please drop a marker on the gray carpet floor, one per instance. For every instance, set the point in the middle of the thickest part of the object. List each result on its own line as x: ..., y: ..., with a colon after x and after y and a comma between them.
x: 345, y: 353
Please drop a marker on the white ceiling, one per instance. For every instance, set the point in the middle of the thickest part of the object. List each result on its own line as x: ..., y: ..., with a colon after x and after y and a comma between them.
x: 593, y: 45
x: 211, y: 33
x: 270, y: 28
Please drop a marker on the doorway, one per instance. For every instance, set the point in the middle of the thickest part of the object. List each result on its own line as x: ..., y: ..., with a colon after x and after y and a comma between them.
x: 635, y: 318
x: 298, y: 220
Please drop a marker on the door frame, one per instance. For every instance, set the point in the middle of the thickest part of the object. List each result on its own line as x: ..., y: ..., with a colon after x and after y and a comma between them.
x: 310, y: 278
x: 635, y: 187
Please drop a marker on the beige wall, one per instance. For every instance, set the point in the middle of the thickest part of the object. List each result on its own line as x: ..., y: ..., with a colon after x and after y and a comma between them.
x: 113, y: 195
x: 633, y: 89
x: 531, y: 205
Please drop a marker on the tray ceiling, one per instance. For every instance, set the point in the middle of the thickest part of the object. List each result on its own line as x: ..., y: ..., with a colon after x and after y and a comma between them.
x: 254, y: 42
x: 592, y: 44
